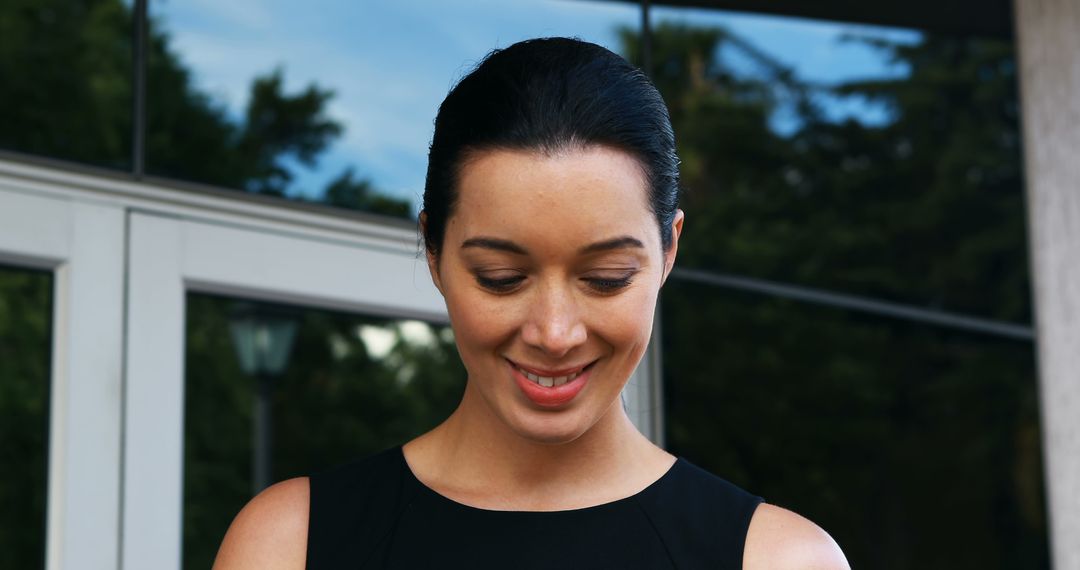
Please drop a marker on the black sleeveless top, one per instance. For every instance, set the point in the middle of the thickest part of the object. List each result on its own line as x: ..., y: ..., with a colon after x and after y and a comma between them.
x: 374, y: 513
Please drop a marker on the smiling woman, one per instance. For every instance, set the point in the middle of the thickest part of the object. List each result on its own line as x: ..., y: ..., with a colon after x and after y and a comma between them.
x: 541, y: 288
x: 550, y: 223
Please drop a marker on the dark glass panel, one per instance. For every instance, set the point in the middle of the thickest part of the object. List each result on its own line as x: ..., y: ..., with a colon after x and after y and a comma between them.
x: 914, y: 446
x: 331, y: 101
x: 872, y: 161
x: 66, y: 68
x: 897, y: 178
x: 351, y: 385
x: 25, y: 341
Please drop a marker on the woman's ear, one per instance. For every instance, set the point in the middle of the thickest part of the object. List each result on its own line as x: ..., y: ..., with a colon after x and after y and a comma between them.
x: 432, y: 259
x: 669, y: 255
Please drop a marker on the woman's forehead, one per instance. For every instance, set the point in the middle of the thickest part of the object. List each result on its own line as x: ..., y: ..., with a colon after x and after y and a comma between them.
x: 571, y: 179
x: 585, y: 193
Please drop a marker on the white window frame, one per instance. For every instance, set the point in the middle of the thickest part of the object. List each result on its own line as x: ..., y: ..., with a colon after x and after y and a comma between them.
x: 171, y: 256
x: 125, y: 255
x: 82, y: 243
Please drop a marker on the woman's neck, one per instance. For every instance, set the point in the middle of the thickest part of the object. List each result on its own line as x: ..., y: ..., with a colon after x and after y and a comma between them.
x: 475, y: 458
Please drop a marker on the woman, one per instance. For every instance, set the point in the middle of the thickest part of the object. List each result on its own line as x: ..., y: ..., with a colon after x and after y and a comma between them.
x: 550, y: 223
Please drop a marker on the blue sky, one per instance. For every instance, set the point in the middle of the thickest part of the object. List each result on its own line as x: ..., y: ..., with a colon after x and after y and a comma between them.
x: 391, y: 63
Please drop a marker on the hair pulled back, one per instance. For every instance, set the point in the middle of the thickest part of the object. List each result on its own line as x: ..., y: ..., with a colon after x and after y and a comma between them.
x: 551, y: 95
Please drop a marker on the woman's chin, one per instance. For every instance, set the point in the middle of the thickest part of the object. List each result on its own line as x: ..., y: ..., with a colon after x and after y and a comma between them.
x: 549, y: 431
x: 550, y: 438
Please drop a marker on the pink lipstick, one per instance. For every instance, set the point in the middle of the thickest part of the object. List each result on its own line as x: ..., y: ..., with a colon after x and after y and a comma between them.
x: 550, y: 396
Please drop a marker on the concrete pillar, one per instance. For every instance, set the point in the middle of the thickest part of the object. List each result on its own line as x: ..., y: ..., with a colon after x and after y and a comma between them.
x: 1048, y: 36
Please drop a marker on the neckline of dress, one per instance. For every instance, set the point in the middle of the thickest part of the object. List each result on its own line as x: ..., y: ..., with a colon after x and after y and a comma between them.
x: 400, y: 452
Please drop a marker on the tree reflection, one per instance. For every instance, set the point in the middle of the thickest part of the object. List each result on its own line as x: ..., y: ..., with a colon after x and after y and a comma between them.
x: 353, y: 386
x: 916, y: 447
x: 66, y: 70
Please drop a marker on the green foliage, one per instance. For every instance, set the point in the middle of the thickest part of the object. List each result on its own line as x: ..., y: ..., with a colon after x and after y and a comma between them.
x: 25, y: 326
x: 346, y: 191
x: 66, y: 67
x: 338, y: 400
x: 915, y: 447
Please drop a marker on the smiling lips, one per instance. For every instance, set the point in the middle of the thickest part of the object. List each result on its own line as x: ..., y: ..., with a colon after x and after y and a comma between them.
x: 550, y: 388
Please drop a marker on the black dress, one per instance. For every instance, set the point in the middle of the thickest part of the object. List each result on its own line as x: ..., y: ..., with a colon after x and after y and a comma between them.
x: 374, y: 513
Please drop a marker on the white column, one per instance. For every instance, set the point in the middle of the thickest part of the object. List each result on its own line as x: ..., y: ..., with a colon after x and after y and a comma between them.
x: 1048, y: 37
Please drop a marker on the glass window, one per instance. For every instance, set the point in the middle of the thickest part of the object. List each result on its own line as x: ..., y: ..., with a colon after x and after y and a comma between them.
x: 25, y: 341
x: 325, y: 388
x: 864, y: 161
x: 331, y: 101
x: 66, y: 71
x: 914, y: 446
x: 874, y: 161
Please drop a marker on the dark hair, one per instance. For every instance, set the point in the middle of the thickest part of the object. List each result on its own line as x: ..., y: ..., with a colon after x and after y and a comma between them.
x: 551, y: 94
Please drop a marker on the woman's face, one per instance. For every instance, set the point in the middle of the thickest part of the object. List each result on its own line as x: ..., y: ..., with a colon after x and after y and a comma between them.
x: 550, y: 267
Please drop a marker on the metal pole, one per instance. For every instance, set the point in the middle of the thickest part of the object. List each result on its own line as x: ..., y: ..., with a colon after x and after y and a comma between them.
x: 261, y: 460
x: 138, y: 90
x: 855, y: 303
x: 1049, y: 74
x: 646, y: 39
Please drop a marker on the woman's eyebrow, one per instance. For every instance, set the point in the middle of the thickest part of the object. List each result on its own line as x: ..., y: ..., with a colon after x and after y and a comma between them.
x: 511, y: 247
x: 494, y: 243
x: 613, y: 243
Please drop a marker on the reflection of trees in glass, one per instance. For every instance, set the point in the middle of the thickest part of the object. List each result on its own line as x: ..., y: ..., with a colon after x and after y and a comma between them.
x: 66, y: 68
x: 354, y: 385
x: 25, y: 338
x: 191, y: 137
x: 916, y: 447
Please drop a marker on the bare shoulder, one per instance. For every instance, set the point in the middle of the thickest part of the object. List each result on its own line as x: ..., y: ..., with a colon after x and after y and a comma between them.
x: 779, y: 539
x: 271, y: 530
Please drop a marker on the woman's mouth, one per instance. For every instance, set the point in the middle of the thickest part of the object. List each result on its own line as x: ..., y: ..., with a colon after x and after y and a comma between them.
x: 550, y: 388
x: 549, y: 381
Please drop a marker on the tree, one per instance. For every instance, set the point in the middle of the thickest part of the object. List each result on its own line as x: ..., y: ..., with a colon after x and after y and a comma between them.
x: 915, y: 446
x: 25, y: 324
x: 67, y: 73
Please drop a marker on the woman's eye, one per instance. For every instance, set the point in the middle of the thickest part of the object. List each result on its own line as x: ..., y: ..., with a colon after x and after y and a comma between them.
x: 609, y: 284
x: 501, y: 284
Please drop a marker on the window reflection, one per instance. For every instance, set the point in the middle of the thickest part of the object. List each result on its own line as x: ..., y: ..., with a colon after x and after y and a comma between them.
x: 337, y: 108
x: 25, y: 340
x: 867, y: 161
x: 65, y: 68
x: 914, y: 446
x: 348, y: 386
x: 871, y: 161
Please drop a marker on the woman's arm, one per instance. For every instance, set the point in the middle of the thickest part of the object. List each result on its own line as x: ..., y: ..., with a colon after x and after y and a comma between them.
x: 779, y: 539
x: 270, y: 532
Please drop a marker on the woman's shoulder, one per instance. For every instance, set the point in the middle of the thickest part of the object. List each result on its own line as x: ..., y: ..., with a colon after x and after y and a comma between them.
x: 270, y: 531
x: 701, y: 518
x: 782, y: 540
x: 745, y: 531
x: 274, y: 529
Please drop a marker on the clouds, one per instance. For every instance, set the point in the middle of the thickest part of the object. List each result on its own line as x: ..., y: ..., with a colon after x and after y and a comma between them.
x: 391, y: 63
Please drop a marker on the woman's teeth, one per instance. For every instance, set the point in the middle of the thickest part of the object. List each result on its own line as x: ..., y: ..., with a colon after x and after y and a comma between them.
x: 549, y: 381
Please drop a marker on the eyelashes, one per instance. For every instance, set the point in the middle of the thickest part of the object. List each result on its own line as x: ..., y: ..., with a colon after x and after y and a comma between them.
x: 598, y: 284
x: 500, y: 285
x: 609, y: 285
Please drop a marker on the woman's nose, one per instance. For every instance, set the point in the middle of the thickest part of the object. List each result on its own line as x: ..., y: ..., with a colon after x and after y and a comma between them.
x: 555, y: 323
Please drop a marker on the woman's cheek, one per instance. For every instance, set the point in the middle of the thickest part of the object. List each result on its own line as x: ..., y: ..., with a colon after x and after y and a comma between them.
x: 479, y: 324
x: 625, y: 321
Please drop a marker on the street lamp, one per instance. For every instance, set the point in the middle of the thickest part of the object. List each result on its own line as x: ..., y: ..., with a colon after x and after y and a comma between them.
x: 263, y: 338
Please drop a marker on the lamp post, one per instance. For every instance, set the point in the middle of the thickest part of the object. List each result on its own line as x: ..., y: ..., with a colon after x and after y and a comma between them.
x: 263, y: 339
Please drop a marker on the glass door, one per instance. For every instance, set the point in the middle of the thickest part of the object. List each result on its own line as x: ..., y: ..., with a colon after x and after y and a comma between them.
x: 25, y: 334
x: 263, y: 349
x: 61, y: 302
